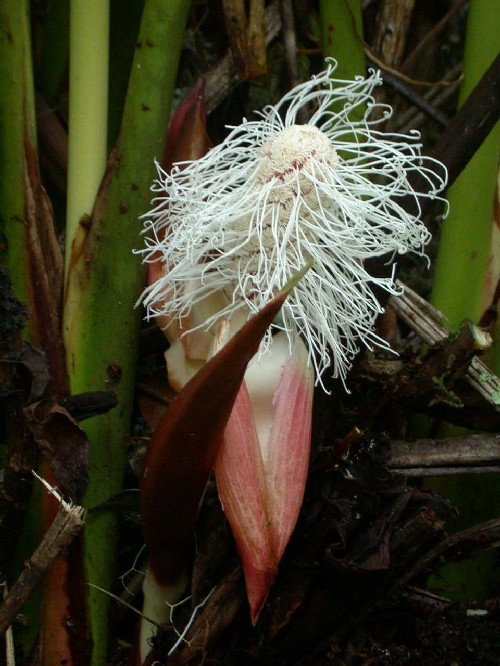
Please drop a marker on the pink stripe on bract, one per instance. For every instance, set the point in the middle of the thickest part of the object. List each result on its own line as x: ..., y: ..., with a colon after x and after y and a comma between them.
x: 241, y: 484
x: 262, y: 500
x: 289, y: 446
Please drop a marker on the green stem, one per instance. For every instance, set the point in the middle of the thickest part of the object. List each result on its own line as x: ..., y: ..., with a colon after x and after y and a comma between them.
x: 341, y: 36
x: 461, y: 270
x: 464, y: 250
x: 14, y: 51
x: 106, y: 278
x: 88, y: 109
x: 30, y: 249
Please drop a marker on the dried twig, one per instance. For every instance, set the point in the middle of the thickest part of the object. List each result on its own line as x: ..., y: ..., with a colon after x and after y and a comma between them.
x: 413, y: 118
x: 222, y: 78
x: 66, y: 525
x: 10, y: 659
x: 481, y: 451
x: 418, y: 101
x: 459, y: 546
x: 442, y: 83
x: 431, y: 36
x: 473, y: 122
x: 466, y: 543
x: 290, y: 41
x: 447, y: 471
x: 424, y: 600
x: 391, y: 30
x: 426, y: 321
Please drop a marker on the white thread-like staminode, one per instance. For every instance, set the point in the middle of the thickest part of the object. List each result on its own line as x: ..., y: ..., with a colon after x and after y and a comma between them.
x: 276, y: 195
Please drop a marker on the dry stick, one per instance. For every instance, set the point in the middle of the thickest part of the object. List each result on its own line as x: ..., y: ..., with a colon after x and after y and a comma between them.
x: 414, y: 98
x: 290, y: 41
x: 427, y: 600
x: 222, y: 78
x: 471, y: 125
x: 391, y: 32
x: 10, y: 657
x: 389, y: 42
x: 431, y: 35
x: 474, y: 540
x: 445, y: 471
x: 413, y: 119
x: 425, y: 320
x: 66, y: 525
x: 475, y: 452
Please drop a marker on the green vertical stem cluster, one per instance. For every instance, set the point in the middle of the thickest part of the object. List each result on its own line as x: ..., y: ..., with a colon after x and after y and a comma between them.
x: 341, y: 36
x: 125, y: 18
x: 492, y: 290
x: 341, y: 39
x: 464, y: 250
x: 88, y: 109
x: 29, y: 247
x: 461, y: 269
x: 15, y: 96
x: 30, y: 250
x: 105, y: 279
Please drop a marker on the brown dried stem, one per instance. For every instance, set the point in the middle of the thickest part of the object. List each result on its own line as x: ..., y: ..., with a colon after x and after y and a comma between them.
x: 433, y: 34
x: 67, y: 524
x: 392, y: 30
x: 473, y: 122
x: 425, y: 320
x: 290, y: 41
x: 459, y: 546
x: 449, y: 455
x: 222, y: 78
x: 413, y: 118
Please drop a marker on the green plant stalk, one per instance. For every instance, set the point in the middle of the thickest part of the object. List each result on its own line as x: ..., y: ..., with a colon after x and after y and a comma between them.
x: 105, y: 279
x: 125, y: 18
x: 464, y: 250
x: 15, y: 96
x: 341, y: 36
x: 342, y: 39
x: 492, y: 358
x: 461, y: 269
x: 88, y: 109
x: 18, y: 157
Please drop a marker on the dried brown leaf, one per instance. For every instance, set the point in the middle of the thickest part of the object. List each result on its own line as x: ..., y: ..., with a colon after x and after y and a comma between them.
x: 63, y: 444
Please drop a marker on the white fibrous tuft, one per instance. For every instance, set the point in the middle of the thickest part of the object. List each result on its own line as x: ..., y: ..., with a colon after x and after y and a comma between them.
x: 276, y: 195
